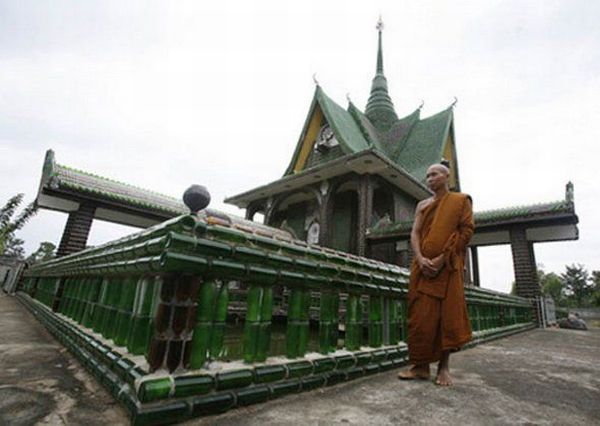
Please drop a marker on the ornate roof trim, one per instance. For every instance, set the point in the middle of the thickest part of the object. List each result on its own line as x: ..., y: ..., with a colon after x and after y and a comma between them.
x: 57, y: 178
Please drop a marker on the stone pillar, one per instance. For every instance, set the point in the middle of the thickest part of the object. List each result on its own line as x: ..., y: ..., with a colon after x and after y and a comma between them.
x: 365, y: 209
x: 325, y: 213
x: 526, y: 279
x: 475, y: 266
x: 467, y: 273
x: 76, y: 230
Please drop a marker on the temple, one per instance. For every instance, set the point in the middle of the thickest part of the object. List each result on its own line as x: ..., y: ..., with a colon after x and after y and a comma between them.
x: 352, y: 184
x: 202, y: 311
x: 355, y: 178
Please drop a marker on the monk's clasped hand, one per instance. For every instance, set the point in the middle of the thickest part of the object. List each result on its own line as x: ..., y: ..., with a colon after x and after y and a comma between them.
x: 431, y: 267
x: 427, y: 267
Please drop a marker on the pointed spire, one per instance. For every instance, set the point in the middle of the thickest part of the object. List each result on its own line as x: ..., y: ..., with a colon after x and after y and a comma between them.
x: 379, y: 49
x: 380, y: 109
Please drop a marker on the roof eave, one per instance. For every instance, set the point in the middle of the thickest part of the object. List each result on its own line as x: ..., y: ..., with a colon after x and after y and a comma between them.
x: 358, y: 163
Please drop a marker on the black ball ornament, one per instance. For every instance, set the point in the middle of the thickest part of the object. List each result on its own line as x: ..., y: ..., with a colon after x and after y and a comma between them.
x: 196, y: 198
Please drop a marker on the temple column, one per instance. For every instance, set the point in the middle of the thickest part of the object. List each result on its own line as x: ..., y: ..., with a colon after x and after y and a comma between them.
x: 526, y: 279
x: 76, y: 230
x: 475, y: 266
x: 325, y: 213
x: 365, y: 209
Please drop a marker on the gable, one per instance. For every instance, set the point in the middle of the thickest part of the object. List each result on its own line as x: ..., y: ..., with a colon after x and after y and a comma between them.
x: 450, y: 155
x: 308, y: 138
x: 346, y: 131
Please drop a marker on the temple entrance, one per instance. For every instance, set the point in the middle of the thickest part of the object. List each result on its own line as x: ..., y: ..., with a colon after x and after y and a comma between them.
x: 344, y: 219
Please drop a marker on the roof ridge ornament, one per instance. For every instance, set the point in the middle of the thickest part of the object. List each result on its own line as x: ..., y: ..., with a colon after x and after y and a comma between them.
x: 421, y: 106
x: 454, y: 103
x: 314, y: 76
x: 570, y: 193
x: 196, y: 198
x: 379, y: 26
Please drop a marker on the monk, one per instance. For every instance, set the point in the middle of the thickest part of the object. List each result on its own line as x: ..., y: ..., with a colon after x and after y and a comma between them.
x: 437, y: 311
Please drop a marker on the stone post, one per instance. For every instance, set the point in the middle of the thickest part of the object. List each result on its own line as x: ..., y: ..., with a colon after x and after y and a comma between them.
x: 365, y: 208
x: 325, y: 213
x: 475, y: 266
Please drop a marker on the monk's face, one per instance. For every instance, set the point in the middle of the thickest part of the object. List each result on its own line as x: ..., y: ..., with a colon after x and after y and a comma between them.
x: 437, y: 177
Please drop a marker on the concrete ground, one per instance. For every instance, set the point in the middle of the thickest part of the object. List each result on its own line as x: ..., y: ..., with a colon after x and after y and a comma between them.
x: 41, y: 382
x: 545, y: 377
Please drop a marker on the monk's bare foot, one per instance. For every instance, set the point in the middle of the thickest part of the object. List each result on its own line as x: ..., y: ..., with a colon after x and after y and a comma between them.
x: 443, y: 378
x: 416, y: 372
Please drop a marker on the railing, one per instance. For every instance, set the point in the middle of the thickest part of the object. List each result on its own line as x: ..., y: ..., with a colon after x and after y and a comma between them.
x: 167, y: 294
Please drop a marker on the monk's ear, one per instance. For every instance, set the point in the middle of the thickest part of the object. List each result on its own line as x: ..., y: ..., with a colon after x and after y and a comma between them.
x: 470, y: 199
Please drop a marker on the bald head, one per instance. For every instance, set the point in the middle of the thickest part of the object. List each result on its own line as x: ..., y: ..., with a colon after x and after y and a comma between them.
x: 437, y: 177
x: 440, y: 168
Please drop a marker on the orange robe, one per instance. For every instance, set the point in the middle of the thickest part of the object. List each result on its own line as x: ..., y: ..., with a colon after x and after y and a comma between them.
x: 437, y: 311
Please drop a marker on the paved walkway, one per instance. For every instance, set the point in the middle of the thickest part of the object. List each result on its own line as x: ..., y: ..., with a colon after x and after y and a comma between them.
x: 545, y: 377
x: 41, y: 382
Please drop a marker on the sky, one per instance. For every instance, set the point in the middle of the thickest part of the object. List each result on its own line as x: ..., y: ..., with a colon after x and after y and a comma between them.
x: 166, y: 94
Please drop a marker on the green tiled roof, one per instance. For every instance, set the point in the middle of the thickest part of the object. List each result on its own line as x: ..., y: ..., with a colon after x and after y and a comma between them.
x: 410, y: 143
x: 57, y: 177
x: 367, y: 129
x: 492, y: 217
x: 521, y: 212
x: 425, y: 144
x: 396, y: 139
x: 346, y: 130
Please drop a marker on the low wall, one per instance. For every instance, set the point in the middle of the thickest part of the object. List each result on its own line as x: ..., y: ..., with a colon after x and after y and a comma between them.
x: 586, y: 313
x: 10, y: 273
x: 148, y: 315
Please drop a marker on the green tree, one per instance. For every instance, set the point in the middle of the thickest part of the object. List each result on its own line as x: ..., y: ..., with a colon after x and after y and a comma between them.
x: 578, y: 285
x: 44, y: 252
x: 13, y: 247
x: 552, y: 285
x: 9, y: 244
x: 596, y: 290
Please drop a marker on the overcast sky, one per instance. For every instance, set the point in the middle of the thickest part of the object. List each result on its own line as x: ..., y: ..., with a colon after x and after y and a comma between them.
x: 166, y: 94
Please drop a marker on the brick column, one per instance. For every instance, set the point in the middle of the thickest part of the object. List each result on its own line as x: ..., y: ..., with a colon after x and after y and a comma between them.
x: 526, y: 279
x: 76, y: 230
